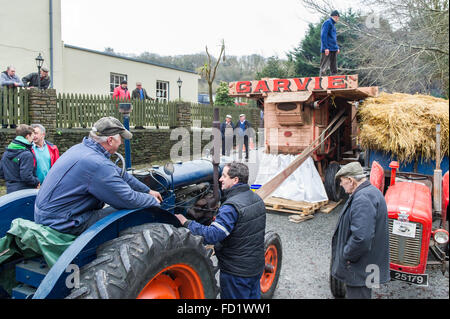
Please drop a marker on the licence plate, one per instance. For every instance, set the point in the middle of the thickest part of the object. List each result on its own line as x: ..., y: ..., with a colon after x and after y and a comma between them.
x: 416, y: 279
x: 405, y: 229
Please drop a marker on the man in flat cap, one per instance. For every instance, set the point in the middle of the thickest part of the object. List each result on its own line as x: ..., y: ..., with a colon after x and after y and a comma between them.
x: 329, y: 48
x: 32, y: 79
x: 243, y: 133
x: 360, y: 244
x: 84, y: 178
x: 227, y: 130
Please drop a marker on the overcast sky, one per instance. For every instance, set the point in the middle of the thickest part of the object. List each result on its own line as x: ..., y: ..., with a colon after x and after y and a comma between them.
x: 173, y: 27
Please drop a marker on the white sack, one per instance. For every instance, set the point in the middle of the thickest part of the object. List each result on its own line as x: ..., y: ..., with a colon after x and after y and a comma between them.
x: 304, y: 184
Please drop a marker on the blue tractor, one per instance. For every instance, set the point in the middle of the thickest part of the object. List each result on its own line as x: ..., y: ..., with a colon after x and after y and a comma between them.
x: 140, y: 253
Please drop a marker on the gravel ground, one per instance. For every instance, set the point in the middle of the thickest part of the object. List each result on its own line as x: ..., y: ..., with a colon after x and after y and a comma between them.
x: 306, y: 259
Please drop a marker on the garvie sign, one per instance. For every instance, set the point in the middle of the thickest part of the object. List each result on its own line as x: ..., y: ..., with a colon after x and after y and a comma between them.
x: 293, y: 85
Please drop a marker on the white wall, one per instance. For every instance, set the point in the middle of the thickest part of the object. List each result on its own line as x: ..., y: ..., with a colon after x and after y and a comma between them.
x: 89, y: 73
x: 25, y: 32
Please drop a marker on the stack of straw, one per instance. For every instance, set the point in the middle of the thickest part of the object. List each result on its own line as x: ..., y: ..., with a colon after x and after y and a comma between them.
x: 404, y: 125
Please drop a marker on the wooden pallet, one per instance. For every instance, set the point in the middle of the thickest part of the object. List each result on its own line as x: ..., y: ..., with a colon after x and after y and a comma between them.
x: 293, y: 207
x: 326, y: 209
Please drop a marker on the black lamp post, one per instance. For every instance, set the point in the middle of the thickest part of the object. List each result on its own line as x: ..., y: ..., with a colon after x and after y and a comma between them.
x: 39, y: 63
x: 179, y: 87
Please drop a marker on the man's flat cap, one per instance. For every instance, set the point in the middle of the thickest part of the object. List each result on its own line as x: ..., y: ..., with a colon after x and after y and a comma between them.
x: 44, y: 69
x: 110, y: 126
x: 353, y: 169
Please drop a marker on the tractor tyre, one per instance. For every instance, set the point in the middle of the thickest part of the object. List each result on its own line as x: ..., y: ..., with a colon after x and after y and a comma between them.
x: 273, y: 257
x: 337, y: 287
x: 150, y: 261
x: 334, y: 190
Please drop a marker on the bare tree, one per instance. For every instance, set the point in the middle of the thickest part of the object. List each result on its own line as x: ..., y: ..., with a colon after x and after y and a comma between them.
x: 402, y: 45
x: 208, y: 71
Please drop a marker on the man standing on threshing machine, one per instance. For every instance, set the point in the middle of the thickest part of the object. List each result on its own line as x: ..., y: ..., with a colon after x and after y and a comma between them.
x: 360, y: 244
x: 238, y: 235
x: 84, y: 178
x: 329, y: 48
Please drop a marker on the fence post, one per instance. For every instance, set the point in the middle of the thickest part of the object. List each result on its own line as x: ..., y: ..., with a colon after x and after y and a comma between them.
x: 42, y: 109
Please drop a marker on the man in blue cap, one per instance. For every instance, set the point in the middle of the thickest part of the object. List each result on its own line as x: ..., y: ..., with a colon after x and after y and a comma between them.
x: 329, y: 47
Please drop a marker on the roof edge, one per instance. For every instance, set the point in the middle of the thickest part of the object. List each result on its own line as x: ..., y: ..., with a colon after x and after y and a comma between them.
x: 113, y: 55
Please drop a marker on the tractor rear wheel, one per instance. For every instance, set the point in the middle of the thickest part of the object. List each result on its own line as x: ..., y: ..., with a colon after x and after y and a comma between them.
x: 334, y: 190
x: 273, y: 257
x: 150, y: 261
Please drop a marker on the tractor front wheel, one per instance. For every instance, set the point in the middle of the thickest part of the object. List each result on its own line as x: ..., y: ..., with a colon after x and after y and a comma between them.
x: 150, y: 261
x: 273, y: 257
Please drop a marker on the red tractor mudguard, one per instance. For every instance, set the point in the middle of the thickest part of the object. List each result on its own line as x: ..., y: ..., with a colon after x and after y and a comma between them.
x: 377, y: 176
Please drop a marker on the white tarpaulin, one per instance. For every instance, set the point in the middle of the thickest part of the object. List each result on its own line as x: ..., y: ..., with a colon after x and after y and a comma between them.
x: 304, y: 184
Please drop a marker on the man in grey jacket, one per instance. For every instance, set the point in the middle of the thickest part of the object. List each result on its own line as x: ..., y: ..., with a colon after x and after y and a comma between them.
x: 84, y: 178
x: 9, y: 79
x: 360, y: 244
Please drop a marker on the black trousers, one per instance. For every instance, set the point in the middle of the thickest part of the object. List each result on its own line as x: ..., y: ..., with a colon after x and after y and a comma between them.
x: 328, y: 61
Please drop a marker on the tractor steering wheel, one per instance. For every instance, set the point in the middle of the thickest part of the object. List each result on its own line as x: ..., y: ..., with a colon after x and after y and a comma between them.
x: 120, y: 158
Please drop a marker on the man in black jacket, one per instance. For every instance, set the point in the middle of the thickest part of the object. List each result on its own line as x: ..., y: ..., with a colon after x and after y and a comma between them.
x: 238, y: 235
x: 18, y: 164
x: 32, y: 79
x: 227, y: 130
x: 360, y: 244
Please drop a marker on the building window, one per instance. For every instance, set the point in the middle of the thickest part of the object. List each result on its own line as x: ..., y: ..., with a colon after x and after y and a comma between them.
x: 115, y: 80
x: 162, y: 91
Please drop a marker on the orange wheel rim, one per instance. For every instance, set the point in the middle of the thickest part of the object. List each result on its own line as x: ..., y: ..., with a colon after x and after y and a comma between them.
x: 178, y: 281
x: 270, y: 269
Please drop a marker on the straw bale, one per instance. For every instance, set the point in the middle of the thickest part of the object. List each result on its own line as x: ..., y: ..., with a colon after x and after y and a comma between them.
x: 404, y: 125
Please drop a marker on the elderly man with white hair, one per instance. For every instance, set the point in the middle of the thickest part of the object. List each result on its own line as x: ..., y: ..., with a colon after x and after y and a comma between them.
x: 360, y: 244
x: 84, y: 179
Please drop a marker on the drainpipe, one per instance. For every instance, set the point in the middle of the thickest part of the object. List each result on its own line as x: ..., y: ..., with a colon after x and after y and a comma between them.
x: 50, y: 4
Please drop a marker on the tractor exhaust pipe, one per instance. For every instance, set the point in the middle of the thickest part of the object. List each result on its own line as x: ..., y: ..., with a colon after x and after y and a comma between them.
x: 216, y: 155
x: 437, y: 177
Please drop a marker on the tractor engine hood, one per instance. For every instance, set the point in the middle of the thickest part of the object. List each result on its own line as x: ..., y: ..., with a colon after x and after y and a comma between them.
x: 411, y: 198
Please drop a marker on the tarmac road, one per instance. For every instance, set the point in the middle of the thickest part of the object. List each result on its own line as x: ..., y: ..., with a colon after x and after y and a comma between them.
x: 306, y: 259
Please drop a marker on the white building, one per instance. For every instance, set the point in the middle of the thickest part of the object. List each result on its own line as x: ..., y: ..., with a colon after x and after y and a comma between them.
x: 30, y: 27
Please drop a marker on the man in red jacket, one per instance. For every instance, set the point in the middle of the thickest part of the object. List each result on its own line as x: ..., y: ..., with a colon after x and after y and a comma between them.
x: 121, y: 92
x: 45, y: 152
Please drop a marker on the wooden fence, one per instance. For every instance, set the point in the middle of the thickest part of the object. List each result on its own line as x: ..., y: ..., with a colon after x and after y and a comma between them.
x: 13, y: 106
x: 205, y: 113
x: 81, y: 110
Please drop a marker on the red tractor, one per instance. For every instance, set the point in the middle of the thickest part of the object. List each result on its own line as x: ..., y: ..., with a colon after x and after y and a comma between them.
x: 412, y: 235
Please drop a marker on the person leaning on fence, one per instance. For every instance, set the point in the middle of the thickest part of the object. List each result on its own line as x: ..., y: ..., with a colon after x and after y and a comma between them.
x: 238, y: 235
x: 121, y: 92
x: 18, y: 164
x: 8, y: 79
x: 45, y: 152
x: 33, y: 80
x: 140, y: 93
x: 84, y: 178
x: 360, y: 243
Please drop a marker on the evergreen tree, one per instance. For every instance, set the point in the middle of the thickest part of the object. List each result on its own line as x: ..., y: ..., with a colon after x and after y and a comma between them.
x: 222, y: 97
